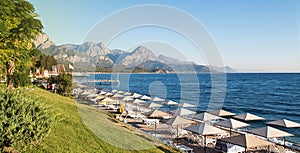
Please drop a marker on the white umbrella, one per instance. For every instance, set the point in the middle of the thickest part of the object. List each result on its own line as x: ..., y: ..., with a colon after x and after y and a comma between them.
x: 154, y: 105
x: 206, y: 117
x: 120, y: 92
x: 136, y: 95
x: 176, y: 121
x: 127, y: 99
x: 248, y: 117
x: 182, y: 112
x: 270, y: 132
x: 221, y: 113
x: 205, y: 130
x: 285, y: 123
x: 145, y: 97
x: 107, y: 100
x: 102, y: 93
x: 232, y: 124
x: 92, y: 96
x: 136, y: 102
x: 108, y: 94
x: 170, y: 102
x: 114, y: 91
x: 156, y: 99
x: 127, y: 94
x: 118, y: 96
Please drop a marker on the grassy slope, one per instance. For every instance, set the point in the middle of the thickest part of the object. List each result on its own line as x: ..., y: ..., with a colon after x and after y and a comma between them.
x: 70, y: 134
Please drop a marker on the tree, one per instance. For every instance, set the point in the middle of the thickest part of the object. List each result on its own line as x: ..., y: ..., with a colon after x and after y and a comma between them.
x: 18, y: 28
x: 64, y: 83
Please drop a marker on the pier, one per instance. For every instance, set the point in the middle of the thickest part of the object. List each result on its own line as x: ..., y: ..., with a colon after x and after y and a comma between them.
x: 101, y: 82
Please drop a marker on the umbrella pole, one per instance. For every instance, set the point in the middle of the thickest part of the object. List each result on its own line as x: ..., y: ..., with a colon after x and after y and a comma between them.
x: 205, y: 143
x: 230, y: 132
x: 155, y: 127
x: 284, y: 142
x: 177, y: 136
x: 136, y: 110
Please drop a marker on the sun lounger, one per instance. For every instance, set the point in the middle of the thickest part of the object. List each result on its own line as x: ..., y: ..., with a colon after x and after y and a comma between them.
x: 151, y: 122
x: 184, y: 148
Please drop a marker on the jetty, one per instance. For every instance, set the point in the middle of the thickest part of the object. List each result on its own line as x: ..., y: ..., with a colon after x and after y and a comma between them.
x: 101, y: 82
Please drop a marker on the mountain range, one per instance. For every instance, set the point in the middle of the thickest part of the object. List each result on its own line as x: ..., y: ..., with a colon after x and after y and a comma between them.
x: 91, y: 56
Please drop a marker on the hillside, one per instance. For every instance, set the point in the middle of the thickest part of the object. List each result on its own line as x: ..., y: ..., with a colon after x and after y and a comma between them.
x: 71, y: 135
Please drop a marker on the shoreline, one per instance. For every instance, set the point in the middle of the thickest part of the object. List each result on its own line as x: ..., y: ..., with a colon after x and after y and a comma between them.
x: 293, y: 144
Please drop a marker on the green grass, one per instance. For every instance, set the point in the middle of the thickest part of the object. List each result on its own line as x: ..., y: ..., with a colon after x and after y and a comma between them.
x: 85, y: 129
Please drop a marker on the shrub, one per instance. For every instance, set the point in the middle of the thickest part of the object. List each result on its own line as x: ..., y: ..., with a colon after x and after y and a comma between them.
x: 24, y: 122
x: 64, y: 83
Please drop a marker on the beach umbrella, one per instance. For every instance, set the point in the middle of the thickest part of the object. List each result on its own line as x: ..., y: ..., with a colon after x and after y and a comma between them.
x: 114, y: 91
x: 145, y: 97
x: 182, y: 112
x: 154, y: 105
x: 248, y: 117
x: 170, y: 103
x: 127, y: 94
x: 186, y: 105
x: 284, y: 123
x: 117, y: 96
x: 136, y: 102
x: 270, y: 132
x: 108, y: 94
x: 247, y: 141
x: 102, y: 93
x: 120, y: 92
x: 176, y: 121
x: 155, y: 114
x: 221, y: 113
x: 98, y: 98
x: 107, y: 100
x: 206, y: 117
x: 205, y: 130
x: 232, y: 124
x: 136, y: 95
x: 156, y: 99
x: 92, y: 95
x: 86, y: 93
x: 127, y: 99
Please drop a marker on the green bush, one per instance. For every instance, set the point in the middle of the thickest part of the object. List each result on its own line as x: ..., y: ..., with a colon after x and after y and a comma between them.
x: 21, y: 79
x: 64, y: 83
x: 24, y: 122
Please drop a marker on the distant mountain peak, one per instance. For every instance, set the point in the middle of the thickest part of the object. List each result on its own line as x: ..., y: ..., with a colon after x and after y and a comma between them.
x: 43, y: 41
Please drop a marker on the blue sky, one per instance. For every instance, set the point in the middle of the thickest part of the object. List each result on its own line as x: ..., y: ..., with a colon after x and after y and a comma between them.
x: 252, y: 35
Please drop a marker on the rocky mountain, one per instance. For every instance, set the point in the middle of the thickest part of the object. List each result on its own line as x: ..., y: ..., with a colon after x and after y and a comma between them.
x: 137, y: 56
x: 91, y: 55
x: 43, y: 41
x: 170, y: 60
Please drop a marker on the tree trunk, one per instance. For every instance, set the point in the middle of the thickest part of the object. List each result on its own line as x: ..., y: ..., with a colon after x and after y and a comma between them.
x: 10, y: 67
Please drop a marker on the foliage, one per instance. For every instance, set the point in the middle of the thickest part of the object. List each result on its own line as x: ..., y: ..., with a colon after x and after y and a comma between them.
x: 64, y: 83
x: 18, y: 28
x: 21, y: 79
x: 24, y: 122
x: 46, y: 61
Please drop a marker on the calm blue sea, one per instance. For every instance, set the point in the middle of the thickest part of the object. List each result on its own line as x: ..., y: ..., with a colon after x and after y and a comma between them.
x: 270, y: 95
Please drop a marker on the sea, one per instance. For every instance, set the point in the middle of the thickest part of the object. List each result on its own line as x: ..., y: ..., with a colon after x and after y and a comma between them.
x: 273, y: 96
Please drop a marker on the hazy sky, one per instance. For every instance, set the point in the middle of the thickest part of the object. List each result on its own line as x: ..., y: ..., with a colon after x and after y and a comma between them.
x: 252, y: 35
